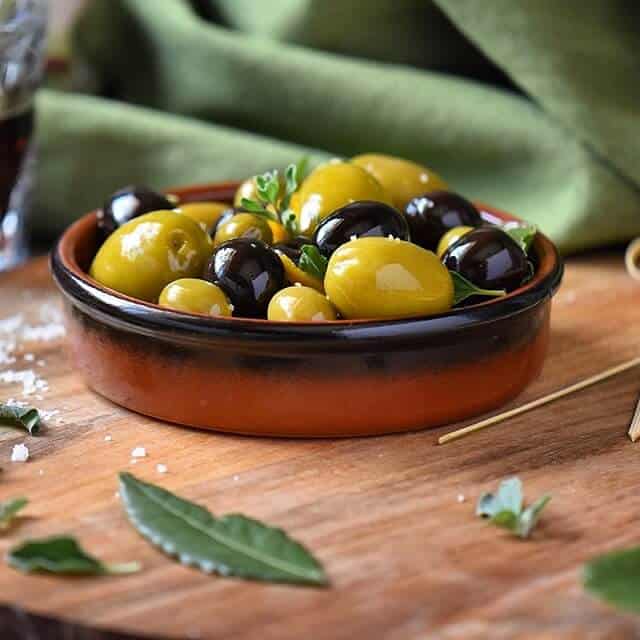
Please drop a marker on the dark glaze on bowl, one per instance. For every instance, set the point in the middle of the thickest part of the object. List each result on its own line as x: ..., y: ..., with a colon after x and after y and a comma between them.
x: 341, y: 378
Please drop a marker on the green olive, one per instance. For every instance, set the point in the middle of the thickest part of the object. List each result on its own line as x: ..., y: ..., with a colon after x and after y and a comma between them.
x: 195, y: 296
x: 330, y: 187
x: 279, y: 233
x: 300, y: 304
x: 403, y: 179
x: 144, y: 255
x: 450, y: 237
x: 206, y: 214
x: 387, y: 278
x: 244, y: 225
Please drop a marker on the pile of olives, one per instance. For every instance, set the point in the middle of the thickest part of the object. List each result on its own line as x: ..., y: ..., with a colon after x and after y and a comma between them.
x: 374, y: 237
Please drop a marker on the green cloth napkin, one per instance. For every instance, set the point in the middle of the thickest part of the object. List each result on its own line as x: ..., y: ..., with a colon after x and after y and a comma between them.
x: 530, y: 105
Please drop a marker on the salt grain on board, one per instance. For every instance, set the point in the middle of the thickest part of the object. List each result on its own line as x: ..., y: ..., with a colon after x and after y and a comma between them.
x: 19, y: 453
x: 139, y: 452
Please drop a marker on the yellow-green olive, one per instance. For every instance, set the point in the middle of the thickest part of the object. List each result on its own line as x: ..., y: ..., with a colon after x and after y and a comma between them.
x: 144, y: 255
x: 295, y: 275
x: 450, y: 237
x: 300, y: 304
x: 206, y: 214
x: 403, y: 179
x: 193, y: 295
x: 331, y: 186
x: 244, y: 225
x: 387, y: 278
x: 280, y: 234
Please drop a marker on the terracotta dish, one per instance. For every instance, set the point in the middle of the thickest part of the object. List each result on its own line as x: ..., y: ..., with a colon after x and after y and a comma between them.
x: 343, y: 378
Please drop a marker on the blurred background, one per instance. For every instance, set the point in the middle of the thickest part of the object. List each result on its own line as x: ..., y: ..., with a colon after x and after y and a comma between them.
x: 531, y: 106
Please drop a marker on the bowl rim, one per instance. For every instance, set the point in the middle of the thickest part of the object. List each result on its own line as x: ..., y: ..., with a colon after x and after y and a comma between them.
x: 121, y: 310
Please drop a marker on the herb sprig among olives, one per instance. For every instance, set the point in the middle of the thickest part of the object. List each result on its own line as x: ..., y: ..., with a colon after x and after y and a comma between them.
x: 353, y: 240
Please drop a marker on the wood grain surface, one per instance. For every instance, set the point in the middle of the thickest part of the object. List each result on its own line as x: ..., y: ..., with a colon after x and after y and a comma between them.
x: 406, y: 557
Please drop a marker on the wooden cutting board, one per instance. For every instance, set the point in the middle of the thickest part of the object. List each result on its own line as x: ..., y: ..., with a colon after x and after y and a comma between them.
x: 405, y: 553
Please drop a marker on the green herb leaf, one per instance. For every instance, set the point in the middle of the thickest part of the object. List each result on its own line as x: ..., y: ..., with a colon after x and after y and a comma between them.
x: 26, y: 418
x: 529, y: 517
x: 463, y: 289
x: 312, y: 261
x: 523, y: 234
x: 290, y: 222
x: 9, y: 510
x: 232, y: 545
x: 257, y: 209
x: 63, y: 555
x: 302, y: 167
x: 505, y: 508
x: 291, y: 177
x: 268, y: 187
x: 615, y: 578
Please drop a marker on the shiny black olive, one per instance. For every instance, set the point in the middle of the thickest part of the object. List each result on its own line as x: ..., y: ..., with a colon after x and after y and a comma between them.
x: 430, y: 216
x: 490, y: 258
x: 129, y: 203
x: 364, y: 218
x: 291, y: 249
x: 249, y: 272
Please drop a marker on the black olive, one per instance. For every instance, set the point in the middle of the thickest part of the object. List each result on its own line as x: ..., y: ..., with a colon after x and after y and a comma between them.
x: 364, y: 218
x: 249, y: 272
x: 129, y: 203
x: 430, y: 216
x: 291, y: 249
x: 489, y: 258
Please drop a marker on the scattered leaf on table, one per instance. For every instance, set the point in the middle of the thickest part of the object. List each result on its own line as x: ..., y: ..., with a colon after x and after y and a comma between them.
x: 62, y: 555
x: 26, y: 418
x: 9, y: 510
x: 230, y: 545
x: 505, y: 508
x: 615, y: 578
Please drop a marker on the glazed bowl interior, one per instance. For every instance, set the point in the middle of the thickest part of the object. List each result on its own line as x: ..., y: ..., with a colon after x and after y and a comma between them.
x: 80, y: 242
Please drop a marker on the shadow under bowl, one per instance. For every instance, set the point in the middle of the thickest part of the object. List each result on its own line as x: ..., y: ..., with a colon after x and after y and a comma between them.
x: 344, y: 378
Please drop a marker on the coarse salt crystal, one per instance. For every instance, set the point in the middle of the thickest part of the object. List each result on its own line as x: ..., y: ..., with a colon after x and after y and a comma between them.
x: 29, y: 357
x: 139, y: 452
x: 162, y: 468
x: 19, y: 453
x: 461, y: 497
x: 108, y: 438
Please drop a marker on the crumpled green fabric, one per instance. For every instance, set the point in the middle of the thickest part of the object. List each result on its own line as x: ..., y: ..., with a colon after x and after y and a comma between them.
x: 530, y: 105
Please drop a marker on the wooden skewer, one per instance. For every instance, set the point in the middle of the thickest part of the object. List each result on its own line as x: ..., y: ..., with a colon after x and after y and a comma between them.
x: 483, y: 424
x: 634, y: 427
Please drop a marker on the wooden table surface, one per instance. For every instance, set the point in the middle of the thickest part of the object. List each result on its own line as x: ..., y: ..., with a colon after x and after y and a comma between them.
x: 407, y: 558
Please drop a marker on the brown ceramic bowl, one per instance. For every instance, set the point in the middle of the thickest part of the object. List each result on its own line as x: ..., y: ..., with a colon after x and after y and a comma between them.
x: 341, y: 378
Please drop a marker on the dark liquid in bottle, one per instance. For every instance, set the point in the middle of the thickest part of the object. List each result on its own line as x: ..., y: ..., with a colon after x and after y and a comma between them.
x: 15, y: 133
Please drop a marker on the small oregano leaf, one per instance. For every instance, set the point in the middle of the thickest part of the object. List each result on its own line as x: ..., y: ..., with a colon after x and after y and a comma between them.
x: 231, y: 545
x: 522, y: 233
x: 529, y: 517
x: 9, y: 510
x: 291, y: 185
x: 62, y: 555
x: 27, y: 418
x: 312, y: 261
x: 257, y: 209
x: 615, y: 578
x: 463, y: 289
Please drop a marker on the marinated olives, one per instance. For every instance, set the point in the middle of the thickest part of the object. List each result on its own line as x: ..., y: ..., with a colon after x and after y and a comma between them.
x: 300, y: 304
x: 292, y: 247
x: 206, y: 214
x: 385, y: 278
x: 278, y: 232
x: 141, y: 257
x: 243, y: 225
x: 331, y: 186
x: 249, y: 272
x: 453, y: 235
x: 193, y: 295
x: 360, y: 219
x: 431, y: 215
x: 129, y: 203
x: 403, y: 179
x: 489, y: 258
